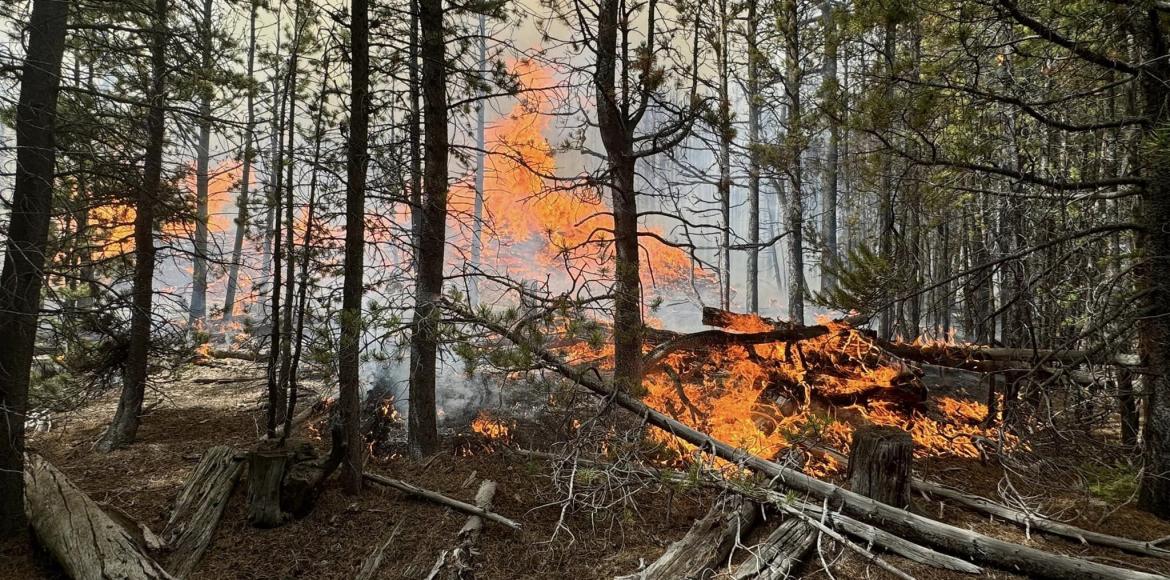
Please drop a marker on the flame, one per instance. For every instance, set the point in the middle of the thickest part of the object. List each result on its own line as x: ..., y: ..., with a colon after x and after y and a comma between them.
x: 491, y: 428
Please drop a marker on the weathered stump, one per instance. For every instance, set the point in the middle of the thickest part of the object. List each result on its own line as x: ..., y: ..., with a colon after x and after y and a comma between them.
x: 880, y: 462
x: 703, y: 551
x: 266, y: 471
x: 780, y: 553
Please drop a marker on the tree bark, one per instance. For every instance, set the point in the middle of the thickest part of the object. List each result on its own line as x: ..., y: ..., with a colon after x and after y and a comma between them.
x: 780, y: 553
x: 199, y: 508
x: 127, y: 418
x: 703, y: 551
x: 832, y: 108
x: 24, y: 252
x: 266, y: 472
x: 754, y: 100
x: 423, y: 433
x: 880, y: 463
x: 795, y: 149
x: 88, y: 543
x: 198, y: 311
x: 229, y: 302
x: 355, y: 208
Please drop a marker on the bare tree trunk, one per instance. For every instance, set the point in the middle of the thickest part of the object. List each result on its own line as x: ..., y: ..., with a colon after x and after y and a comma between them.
x: 886, y: 187
x: 754, y: 101
x: 423, y: 431
x: 832, y: 108
x: 124, y: 427
x: 198, y: 313
x: 229, y: 303
x: 795, y: 138
x: 416, y: 155
x: 28, y: 234
x: 725, y: 133
x: 481, y: 147
x: 355, y: 230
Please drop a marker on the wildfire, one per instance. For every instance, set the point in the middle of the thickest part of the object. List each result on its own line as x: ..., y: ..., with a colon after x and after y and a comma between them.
x: 491, y: 428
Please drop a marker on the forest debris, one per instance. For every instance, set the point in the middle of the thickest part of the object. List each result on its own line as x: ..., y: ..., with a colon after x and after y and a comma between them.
x: 373, y: 561
x: 86, y: 541
x: 459, y: 562
x: 416, y: 491
x: 706, y: 545
x: 779, y: 554
x: 199, y: 507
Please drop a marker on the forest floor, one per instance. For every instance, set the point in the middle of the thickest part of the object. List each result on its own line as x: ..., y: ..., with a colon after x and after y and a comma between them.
x: 194, y: 413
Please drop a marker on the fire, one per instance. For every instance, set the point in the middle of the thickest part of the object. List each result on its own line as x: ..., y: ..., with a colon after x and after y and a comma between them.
x: 491, y: 428
x: 537, y: 217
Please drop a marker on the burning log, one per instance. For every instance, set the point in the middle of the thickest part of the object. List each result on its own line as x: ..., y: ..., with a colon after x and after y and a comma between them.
x: 459, y: 563
x: 967, y: 543
x: 199, y: 507
x: 880, y: 462
x: 86, y: 541
x: 718, y: 338
x: 970, y: 356
x: 782, y: 551
x: 706, y: 545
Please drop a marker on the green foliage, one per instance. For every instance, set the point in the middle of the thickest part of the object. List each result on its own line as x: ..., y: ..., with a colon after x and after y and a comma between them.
x: 866, y: 282
x: 1115, y: 484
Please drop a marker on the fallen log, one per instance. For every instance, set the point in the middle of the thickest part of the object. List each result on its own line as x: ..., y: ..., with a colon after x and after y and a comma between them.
x: 782, y: 552
x: 969, y: 544
x: 1026, y: 520
x: 87, y: 543
x: 720, y: 338
x: 968, y: 356
x: 416, y: 491
x: 860, y: 550
x: 459, y: 562
x: 373, y: 561
x: 706, y: 545
x: 199, y: 507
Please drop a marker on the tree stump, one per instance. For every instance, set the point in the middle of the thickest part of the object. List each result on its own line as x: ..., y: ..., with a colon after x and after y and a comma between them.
x: 879, y: 464
x: 266, y: 470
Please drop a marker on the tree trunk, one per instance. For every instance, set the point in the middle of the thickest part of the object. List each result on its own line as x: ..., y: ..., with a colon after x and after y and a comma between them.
x: 829, y: 94
x: 199, y: 507
x: 879, y: 464
x: 229, y: 302
x: 886, y: 186
x: 481, y: 148
x: 266, y: 471
x: 795, y: 148
x: 355, y: 229
x: 725, y: 134
x: 754, y: 99
x: 28, y: 234
x: 124, y: 427
x: 1154, y: 328
x: 198, y: 313
x: 88, y: 543
x: 423, y: 430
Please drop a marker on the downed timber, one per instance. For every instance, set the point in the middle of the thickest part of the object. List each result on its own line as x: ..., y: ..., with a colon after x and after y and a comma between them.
x: 706, y: 545
x: 1028, y: 521
x: 969, y: 544
x: 459, y: 562
x: 830, y: 532
x: 87, y: 543
x: 373, y: 561
x: 721, y: 338
x: 782, y: 551
x: 416, y: 491
x: 199, y: 508
x: 961, y: 356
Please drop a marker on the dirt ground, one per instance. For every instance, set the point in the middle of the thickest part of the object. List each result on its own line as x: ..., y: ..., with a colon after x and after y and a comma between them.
x: 196, y: 413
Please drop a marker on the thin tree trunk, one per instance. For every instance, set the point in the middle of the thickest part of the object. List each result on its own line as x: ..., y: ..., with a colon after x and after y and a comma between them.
x: 198, y: 313
x: 754, y: 101
x: 290, y: 221
x: 886, y: 186
x: 423, y: 433
x: 416, y: 156
x: 229, y: 302
x: 832, y: 108
x: 28, y: 234
x: 795, y: 138
x: 355, y: 230
x: 124, y: 427
x: 481, y: 146
x: 725, y: 133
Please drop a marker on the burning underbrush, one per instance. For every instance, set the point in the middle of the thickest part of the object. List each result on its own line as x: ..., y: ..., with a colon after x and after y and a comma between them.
x: 800, y: 400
